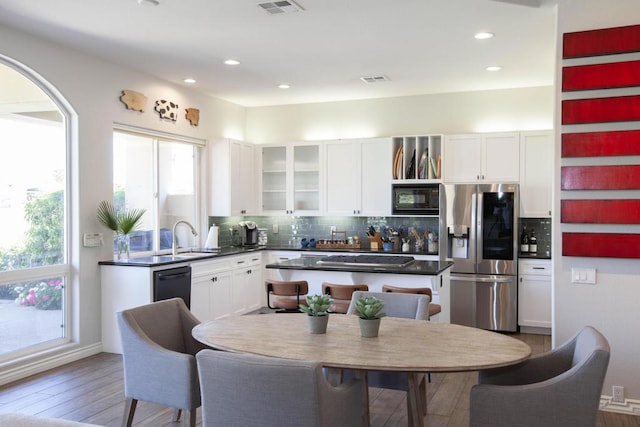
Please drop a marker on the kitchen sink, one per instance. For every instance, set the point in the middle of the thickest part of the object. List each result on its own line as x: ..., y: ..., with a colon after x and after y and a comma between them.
x: 196, y: 254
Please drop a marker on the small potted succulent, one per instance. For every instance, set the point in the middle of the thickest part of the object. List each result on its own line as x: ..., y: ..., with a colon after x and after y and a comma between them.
x: 316, y: 309
x: 369, y: 310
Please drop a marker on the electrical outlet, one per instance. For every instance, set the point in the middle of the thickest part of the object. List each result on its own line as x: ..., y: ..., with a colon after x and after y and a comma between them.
x: 333, y: 228
x: 618, y: 394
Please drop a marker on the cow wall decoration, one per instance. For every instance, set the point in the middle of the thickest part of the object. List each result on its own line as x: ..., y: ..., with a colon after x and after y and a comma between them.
x: 167, y: 109
x: 133, y: 100
x: 192, y: 115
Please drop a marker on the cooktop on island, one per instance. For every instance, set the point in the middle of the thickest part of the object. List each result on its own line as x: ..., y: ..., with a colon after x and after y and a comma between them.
x: 367, y: 260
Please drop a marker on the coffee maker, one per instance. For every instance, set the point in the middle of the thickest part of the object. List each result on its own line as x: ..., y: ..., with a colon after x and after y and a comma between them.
x: 248, y: 233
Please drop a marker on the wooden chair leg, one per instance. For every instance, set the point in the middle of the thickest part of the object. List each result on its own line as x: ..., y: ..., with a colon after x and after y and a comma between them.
x: 129, y: 411
x: 176, y: 414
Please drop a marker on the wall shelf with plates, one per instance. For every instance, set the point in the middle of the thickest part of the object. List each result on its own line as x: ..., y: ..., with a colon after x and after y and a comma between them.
x: 417, y: 158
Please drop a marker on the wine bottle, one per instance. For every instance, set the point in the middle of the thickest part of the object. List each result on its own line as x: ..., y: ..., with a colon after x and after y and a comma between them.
x: 524, y: 241
x: 533, y: 242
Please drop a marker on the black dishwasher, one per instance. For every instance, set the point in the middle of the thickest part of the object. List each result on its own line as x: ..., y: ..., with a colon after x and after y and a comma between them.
x: 172, y: 283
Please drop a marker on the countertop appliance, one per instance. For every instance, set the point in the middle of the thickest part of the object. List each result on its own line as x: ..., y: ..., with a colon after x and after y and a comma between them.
x: 248, y: 233
x: 416, y: 199
x: 482, y: 241
x: 172, y: 283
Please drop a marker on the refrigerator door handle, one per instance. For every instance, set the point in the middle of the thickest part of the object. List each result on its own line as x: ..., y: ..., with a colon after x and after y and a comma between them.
x: 491, y: 279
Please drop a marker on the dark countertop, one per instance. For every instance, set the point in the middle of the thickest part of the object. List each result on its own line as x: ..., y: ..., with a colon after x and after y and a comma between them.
x: 207, y: 254
x: 430, y: 268
x: 195, y: 255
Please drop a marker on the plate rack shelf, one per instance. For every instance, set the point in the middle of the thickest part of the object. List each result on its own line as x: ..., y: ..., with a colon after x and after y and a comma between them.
x: 417, y: 158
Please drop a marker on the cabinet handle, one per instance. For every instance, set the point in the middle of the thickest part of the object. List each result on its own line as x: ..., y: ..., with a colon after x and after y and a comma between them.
x: 521, y: 280
x: 239, y: 262
x: 539, y: 268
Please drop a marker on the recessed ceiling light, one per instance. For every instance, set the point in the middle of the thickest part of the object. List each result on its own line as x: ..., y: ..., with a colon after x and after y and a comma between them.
x: 148, y: 2
x: 483, y: 35
x: 284, y: 86
x: 493, y: 68
x: 232, y: 62
x: 189, y: 80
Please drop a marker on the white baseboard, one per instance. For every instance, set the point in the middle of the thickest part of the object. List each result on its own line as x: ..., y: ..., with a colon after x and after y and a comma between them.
x: 23, y: 370
x: 629, y: 407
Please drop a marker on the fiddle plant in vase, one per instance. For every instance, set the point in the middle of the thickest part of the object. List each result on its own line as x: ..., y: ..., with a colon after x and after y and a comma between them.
x: 121, y: 223
x: 369, y: 310
x: 316, y: 309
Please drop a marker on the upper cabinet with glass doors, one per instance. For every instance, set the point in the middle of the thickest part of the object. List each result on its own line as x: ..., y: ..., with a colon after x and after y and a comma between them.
x: 417, y: 158
x: 291, y: 179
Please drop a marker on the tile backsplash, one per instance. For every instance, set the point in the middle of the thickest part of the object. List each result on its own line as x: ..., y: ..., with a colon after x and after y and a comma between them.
x: 292, y: 229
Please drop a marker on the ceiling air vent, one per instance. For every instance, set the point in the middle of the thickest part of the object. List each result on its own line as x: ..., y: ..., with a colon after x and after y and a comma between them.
x: 375, y: 79
x: 284, y: 6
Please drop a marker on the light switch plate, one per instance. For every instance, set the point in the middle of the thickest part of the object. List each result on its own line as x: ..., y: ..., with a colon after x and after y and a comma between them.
x: 583, y: 275
x: 92, y: 240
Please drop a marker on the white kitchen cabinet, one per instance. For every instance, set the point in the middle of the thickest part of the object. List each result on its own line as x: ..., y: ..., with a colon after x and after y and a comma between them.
x: 534, y: 294
x: 211, y: 289
x: 233, y: 178
x: 291, y: 179
x: 246, y: 283
x: 536, y: 174
x: 491, y: 157
x: 358, y: 182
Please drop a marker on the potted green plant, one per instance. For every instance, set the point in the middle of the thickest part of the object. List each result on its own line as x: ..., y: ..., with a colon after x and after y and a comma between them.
x: 316, y: 309
x: 369, y: 310
x: 121, y: 223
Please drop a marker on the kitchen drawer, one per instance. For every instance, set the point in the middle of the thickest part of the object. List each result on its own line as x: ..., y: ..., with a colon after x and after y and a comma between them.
x: 199, y: 268
x: 534, y: 267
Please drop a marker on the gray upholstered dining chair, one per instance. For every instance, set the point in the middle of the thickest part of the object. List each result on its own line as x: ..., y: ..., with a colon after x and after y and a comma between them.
x: 434, y: 309
x: 555, y: 389
x: 240, y: 389
x: 404, y: 305
x: 159, y: 357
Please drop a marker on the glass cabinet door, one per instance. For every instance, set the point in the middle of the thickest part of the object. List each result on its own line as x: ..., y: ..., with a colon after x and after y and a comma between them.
x: 274, y: 178
x: 306, y: 178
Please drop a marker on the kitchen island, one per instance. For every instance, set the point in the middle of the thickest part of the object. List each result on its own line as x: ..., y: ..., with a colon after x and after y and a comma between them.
x: 374, y: 271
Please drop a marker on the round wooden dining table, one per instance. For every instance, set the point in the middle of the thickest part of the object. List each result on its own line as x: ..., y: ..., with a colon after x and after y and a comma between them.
x: 403, y: 345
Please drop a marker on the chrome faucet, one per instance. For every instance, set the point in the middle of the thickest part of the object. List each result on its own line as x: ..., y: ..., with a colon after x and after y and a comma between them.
x: 174, y: 243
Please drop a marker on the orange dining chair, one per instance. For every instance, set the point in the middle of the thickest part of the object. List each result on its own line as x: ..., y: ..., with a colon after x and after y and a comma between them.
x: 341, y: 295
x: 285, y: 296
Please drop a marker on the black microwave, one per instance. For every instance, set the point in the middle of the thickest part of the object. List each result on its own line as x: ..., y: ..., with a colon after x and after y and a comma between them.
x: 416, y: 199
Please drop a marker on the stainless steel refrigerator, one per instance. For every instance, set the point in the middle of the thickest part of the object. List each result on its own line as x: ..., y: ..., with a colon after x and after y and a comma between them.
x: 482, y: 225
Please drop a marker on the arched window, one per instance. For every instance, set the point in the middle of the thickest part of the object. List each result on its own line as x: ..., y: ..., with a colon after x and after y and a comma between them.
x: 34, y: 269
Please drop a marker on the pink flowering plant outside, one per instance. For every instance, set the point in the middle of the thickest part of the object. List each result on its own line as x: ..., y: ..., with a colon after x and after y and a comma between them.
x: 46, y: 295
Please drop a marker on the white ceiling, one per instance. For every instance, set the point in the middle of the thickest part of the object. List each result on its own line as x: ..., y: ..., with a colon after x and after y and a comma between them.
x: 423, y: 46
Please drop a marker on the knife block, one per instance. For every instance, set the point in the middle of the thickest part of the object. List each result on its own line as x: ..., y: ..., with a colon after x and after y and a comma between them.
x: 375, y: 242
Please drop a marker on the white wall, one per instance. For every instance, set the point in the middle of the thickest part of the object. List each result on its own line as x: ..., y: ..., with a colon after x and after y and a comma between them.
x: 482, y: 111
x: 92, y: 87
x: 612, y: 304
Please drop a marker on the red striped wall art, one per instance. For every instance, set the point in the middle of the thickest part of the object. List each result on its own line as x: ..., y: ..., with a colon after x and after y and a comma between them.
x: 591, y: 111
x: 601, y: 144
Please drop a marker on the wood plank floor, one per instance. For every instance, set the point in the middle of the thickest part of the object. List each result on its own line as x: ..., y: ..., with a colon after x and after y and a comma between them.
x: 91, y: 390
